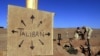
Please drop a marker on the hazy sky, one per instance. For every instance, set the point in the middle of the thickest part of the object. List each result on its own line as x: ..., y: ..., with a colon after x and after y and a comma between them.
x: 68, y: 13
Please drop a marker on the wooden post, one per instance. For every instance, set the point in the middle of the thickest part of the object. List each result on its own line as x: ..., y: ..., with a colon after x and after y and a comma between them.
x: 59, y: 38
x: 32, y: 4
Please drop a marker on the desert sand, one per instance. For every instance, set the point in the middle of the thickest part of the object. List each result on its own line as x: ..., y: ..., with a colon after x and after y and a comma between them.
x: 66, y: 33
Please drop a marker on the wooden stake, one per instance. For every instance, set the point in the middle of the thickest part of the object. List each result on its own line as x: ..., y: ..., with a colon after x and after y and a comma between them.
x: 32, y: 4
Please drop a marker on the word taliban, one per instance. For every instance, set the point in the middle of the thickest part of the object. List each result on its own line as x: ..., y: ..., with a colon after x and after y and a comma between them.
x: 30, y: 33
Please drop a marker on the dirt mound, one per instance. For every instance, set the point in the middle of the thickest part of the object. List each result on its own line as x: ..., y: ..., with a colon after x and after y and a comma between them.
x: 3, y: 31
x: 58, y: 50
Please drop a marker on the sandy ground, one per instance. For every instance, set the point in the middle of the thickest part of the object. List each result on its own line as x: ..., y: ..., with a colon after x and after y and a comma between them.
x: 58, y: 50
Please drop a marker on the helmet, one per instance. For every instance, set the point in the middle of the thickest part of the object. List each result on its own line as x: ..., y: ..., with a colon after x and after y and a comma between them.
x: 78, y: 27
x: 83, y: 27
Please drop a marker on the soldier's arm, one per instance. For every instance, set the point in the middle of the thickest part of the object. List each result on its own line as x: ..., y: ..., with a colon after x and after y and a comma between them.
x: 84, y: 31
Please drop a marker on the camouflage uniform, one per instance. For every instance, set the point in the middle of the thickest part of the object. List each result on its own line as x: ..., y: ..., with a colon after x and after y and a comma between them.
x: 77, y: 33
x: 88, y: 30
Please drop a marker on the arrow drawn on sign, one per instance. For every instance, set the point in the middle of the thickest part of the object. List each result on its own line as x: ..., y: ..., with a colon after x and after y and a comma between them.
x: 32, y: 17
x: 41, y: 42
x: 21, y: 43
x: 21, y: 28
x: 48, y: 34
x: 32, y: 47
x: 13, y: 31
x: 23, y: 22
x: 40, y: 23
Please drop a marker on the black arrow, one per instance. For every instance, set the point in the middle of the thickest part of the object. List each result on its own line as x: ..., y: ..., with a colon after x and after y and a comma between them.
x: 21, y: 43
x: 13, y: 31
x: 32, y: 17
x: 48, y: 34
x: 41, y: 42
x: 40, y: 23
x: 32, y: 47
x: 21, y: 28
x: 23, y: 22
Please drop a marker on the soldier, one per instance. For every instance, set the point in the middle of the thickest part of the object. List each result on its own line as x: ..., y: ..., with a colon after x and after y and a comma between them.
x: 77, y: 33
x: 87, y: 31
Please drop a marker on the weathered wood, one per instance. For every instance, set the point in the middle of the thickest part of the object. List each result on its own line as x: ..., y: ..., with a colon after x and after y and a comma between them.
x: 26, y: 29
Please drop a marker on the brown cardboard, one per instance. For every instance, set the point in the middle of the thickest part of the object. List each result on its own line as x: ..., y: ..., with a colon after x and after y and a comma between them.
x: 27, y: 35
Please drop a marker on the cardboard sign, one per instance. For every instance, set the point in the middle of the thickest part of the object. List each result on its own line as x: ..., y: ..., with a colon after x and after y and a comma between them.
x: 30, y: 32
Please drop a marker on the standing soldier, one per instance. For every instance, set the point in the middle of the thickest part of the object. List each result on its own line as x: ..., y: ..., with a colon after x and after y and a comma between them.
x: 87, y: 31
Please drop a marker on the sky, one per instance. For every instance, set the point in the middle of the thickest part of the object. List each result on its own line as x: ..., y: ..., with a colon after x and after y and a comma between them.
x: 68, y: 13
